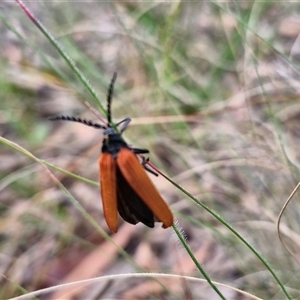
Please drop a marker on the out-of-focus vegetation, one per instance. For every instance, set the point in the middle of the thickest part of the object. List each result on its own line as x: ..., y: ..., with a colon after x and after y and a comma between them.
x: 213, y: 91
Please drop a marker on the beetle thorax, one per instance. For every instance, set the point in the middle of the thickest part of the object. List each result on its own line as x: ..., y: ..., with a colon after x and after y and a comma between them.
x: 113, y: 142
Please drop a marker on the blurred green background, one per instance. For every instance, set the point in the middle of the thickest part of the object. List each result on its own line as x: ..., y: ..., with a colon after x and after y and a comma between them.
x: 213, y: 92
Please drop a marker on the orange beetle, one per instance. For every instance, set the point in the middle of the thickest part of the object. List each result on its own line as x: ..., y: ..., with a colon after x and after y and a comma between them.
x: 125, y: 186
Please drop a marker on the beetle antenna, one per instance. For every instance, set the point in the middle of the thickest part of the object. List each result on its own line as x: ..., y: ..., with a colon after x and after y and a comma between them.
x: 109, y: 97
x: 78, y: 120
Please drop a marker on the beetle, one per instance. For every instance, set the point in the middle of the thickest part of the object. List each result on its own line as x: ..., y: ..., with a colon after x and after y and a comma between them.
x: 125, y: 186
